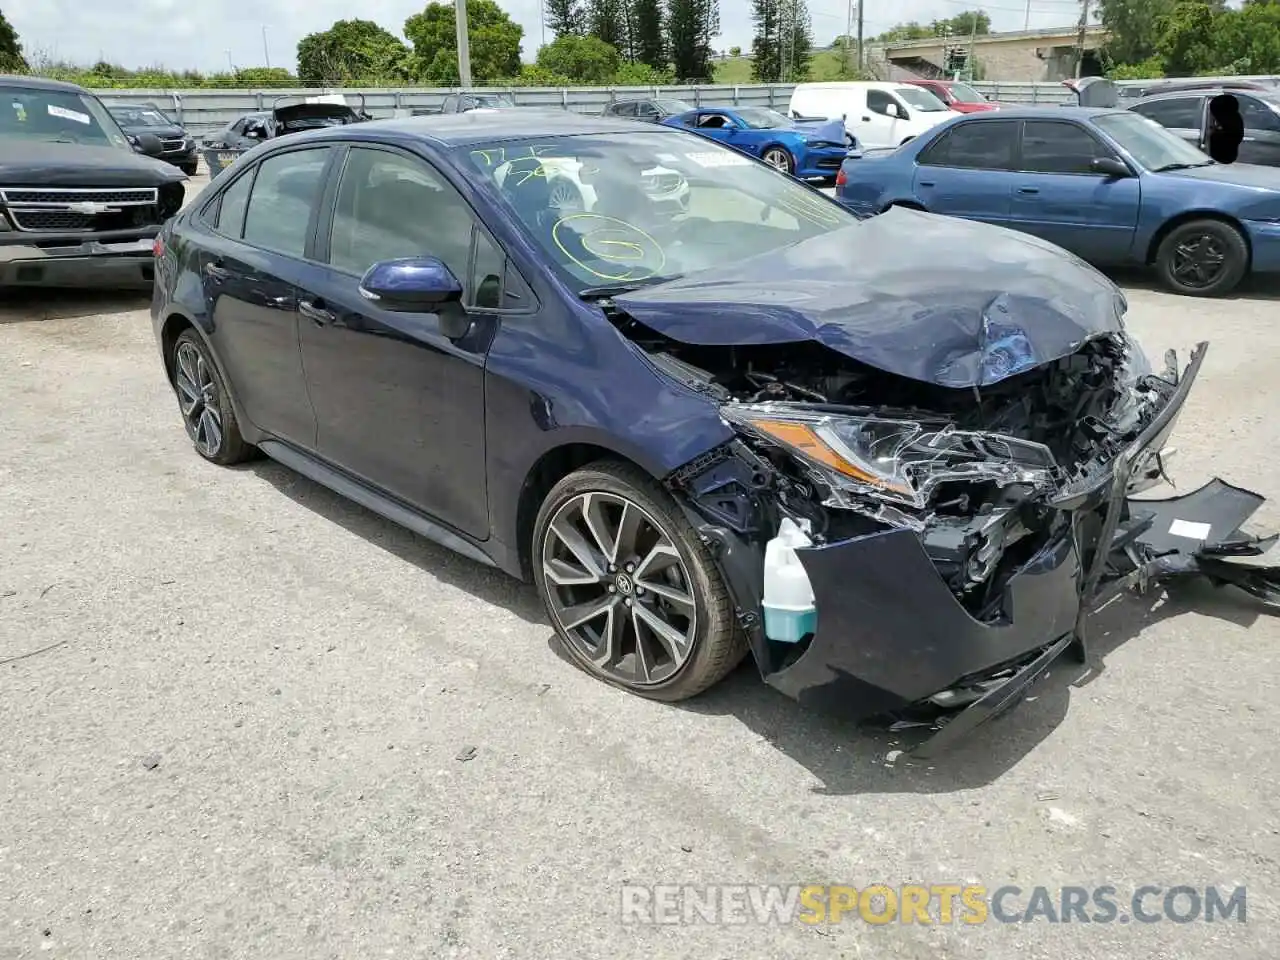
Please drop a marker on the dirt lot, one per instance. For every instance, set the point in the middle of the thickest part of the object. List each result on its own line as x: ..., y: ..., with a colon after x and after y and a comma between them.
x: 236, y: 709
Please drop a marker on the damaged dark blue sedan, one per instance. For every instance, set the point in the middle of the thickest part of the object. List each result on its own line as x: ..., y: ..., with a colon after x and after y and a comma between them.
x: 706, y: 410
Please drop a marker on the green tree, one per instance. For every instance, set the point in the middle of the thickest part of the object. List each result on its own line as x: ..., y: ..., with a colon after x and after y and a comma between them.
x: 608, y: 20
x: 906, y: 31
x: 566, y: 17
x: 735, y: 52
x: 494, y: 40
x: 766, y: 44
x: 266, y: 77
x: 1248, y: 40
x: 1133, y: 28
x: 1188, y: 42
x: 643, y: 75
x: 532, y: 75
x: 585, y: 60
x: 648, y: 46
x: 964, y: 24
x: 690, y: 26
x: 797, y: 42
x: 352, y: 52
x: 11, y: 58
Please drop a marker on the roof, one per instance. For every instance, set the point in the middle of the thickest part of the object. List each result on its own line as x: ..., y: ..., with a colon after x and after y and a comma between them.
x: 1042, y: 113
x: 516, y: 123
x: 851, y: 85
x: 1182, y: 92
x: 39, y: 83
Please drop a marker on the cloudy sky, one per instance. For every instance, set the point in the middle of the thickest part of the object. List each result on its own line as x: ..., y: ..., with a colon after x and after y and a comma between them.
x: 205, y: 35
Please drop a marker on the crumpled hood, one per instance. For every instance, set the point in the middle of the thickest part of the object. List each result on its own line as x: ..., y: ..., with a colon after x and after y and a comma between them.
x: 832, y: 130
x: 25, y: 163
x: 936, y: 299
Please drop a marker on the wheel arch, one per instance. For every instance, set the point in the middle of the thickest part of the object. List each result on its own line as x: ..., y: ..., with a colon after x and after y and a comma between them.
x: 906, y: 204
x: 549, y: 469
x: 778, y: 145
x: 173, y: 327
x: 1187, y: 216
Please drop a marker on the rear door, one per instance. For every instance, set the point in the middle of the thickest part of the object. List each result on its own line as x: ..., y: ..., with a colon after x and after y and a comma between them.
x: 968, y: 171
x: 254, y: 262
x: 1261, y: 131
x: 1057, y: 195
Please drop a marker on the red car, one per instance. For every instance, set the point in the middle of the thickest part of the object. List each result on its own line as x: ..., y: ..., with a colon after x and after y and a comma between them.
x: 958, y: 96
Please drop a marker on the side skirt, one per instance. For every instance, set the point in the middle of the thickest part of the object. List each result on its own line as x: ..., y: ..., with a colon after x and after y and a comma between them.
x: 371, y: 499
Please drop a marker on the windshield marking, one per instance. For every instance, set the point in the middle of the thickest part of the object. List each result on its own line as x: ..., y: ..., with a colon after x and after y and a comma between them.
x: 619, y: 239
x: 65, y: 114
x: 812, y: 209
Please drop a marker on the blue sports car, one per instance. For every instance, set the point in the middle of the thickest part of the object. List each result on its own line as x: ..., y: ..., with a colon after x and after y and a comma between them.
x: 1108, y: 185
x: 807, y: 149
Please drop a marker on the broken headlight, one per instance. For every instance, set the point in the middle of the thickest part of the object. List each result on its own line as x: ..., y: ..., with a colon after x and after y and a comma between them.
x: 902, y: 461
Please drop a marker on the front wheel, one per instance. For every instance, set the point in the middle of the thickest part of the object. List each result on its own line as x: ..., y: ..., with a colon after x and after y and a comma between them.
x: 1202, y: 258
x: 631, y: 590
x: 779, y: 158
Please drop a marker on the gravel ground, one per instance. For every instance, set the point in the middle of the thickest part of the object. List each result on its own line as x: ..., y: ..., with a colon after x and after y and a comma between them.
x: 242, y: 711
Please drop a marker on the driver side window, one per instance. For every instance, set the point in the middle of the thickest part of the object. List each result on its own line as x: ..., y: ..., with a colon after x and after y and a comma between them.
x: 878, y: 102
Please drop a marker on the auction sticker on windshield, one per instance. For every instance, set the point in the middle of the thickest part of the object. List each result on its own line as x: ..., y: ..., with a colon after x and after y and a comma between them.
x: 65, y: 114
x: 718, y: 158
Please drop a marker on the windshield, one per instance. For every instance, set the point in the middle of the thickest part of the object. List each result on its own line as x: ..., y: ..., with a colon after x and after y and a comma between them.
x: 920, y: 98
x: 762, y: 118
x: 139, y: 117
x: 57, y: 116
x: 630, y: 208
x: 1154, y: 147
x: 674, y: 107
x: 963, y: 93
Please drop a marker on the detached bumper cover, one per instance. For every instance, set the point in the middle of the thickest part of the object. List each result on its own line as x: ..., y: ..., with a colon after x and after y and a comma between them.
x: 891, y: 635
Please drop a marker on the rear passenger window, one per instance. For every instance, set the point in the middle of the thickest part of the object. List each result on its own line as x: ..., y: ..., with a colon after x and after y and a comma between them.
x: 284, y: 194
x: 977, y: 144
x: 232, y: 205
x: 1176, y: 112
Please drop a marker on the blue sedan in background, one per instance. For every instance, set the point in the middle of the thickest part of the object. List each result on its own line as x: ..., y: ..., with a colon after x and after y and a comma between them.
x: 1108, y: 185
x: 807, y: 149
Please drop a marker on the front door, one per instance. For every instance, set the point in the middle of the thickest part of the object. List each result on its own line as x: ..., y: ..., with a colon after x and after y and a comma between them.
x: 1261, y: 131
x: 967, y: 171
x: 251, y: 267
x: 1058, y: 196
x: 398, y: 404
x: 880, y: 127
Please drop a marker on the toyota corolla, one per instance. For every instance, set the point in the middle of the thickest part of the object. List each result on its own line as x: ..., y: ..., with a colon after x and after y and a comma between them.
x: 749, y: 424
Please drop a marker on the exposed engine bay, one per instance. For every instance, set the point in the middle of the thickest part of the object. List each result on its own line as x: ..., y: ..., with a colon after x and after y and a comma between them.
x: 974, y: 472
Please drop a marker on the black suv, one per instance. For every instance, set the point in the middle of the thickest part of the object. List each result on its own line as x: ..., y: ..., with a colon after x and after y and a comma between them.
x: 78, y: 207
x: 173, y: 144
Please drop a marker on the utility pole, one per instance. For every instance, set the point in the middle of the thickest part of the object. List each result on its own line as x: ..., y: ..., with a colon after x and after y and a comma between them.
x: 542, y: 16
x: 266, y: 52
x: 859, y: 37
x: 464, y: 44
x: 1026, y: 23
x: 973, y: 36
x: 1084, y: 22
x: 848, y: 38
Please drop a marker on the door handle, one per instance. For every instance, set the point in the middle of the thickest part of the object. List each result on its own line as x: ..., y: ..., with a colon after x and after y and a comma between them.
x: 314, y: 311
x: 216, y: 271
x: 866, y: 119
x: 1028, y: 189
x: 926, y: 183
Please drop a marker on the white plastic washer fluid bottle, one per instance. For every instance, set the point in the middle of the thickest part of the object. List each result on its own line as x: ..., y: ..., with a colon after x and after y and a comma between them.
x: 789, y: 612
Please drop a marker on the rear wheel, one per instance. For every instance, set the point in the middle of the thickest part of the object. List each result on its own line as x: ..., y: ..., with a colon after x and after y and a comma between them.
x: 205, y: 404
x: 1202, y: 258
x: 779, y: 158
x: 631, y: 590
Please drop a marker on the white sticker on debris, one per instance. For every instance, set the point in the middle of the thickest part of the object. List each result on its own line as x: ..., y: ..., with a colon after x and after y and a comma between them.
x: 719, y: 159
x: 66, y: 114
x: 1190, y: 530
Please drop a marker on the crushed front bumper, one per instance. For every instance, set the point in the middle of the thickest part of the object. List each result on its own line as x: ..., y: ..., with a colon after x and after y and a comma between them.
x: 892, y: 637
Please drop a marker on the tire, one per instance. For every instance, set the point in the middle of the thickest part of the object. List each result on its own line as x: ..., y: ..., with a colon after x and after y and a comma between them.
x: 190, y: 169
x: 779, y: 159
x: 685, y: 575
x: 1184, y: 258
x: 205, y: 404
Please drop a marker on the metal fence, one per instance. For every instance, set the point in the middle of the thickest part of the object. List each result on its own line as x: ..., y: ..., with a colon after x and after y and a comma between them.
x: 203, y: 111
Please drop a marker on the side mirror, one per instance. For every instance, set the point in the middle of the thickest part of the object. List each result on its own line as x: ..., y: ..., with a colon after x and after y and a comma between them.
x: 417, y: 285
x: 1109, y: 167
x: 149, y: 144
x: 891, y: 109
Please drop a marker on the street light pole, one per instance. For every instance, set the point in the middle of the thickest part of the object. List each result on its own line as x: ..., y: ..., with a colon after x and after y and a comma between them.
x: 266, y: 52
x: 464, y: 45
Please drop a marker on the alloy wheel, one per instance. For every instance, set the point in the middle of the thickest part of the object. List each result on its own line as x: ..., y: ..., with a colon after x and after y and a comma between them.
x: 618, y: 588
x: 1199, y: 261
x: 778, y: 158
x: 198, y: 399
